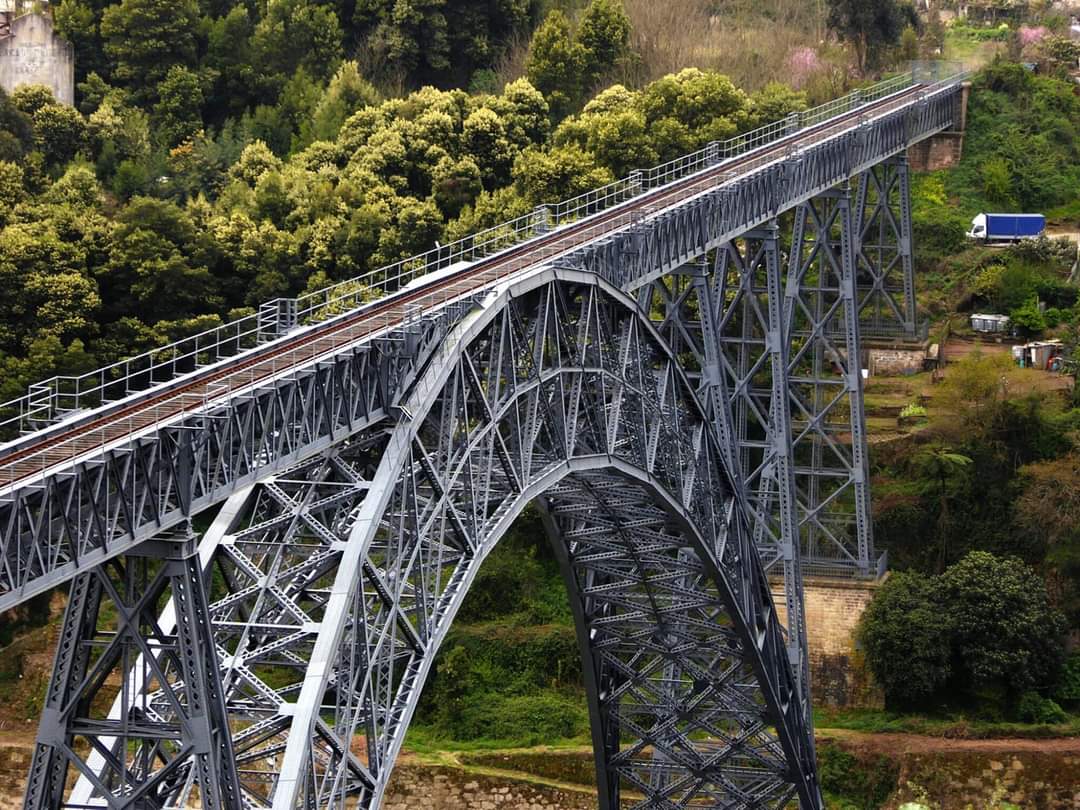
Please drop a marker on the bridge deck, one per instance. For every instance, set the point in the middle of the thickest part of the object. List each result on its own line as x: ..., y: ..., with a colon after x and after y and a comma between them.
x: 58, y: 446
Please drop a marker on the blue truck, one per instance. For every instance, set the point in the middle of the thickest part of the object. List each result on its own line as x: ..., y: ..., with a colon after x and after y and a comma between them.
x: 1006, y: 227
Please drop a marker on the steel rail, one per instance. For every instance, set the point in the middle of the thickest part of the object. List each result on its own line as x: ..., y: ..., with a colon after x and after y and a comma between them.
x: 120, y: 420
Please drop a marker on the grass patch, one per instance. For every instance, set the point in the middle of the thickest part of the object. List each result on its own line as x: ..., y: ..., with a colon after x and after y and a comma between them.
x: 954, y: 726
x: 423, y: 739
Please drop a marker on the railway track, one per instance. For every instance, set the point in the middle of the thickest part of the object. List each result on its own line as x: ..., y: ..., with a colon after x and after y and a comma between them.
x: 117, y: 421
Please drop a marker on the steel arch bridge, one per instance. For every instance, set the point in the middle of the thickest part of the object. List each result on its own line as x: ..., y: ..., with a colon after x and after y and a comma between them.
x: 674, y: 384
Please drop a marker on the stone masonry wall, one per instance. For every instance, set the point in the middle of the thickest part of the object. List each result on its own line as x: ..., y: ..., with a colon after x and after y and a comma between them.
x: 958, y: 780
x: 939, y: 152
x: 895, y: 362
x: 838, y: 675
x: 420, y: 787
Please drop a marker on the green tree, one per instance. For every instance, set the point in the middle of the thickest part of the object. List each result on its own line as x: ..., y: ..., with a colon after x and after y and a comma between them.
x: 152, y: 265
x: 178, y: 112
x: 1048, y: 512
x: 1028, y: 317
x: 455, y: 184
x: 144, y: 38
x: 686, y: 110
x: 414, y: 38
x: 774, y: 102
x: 943, y: 466
x: 29, y: 98
x: 908, y: 48
x: 59, y: 132
x: 77, y: 22
x: 63, y: 304
x: 871, y: 26
x: 485, y: 140
x: 619, y: 140
x: 254, y: 161
x: 16, y: 131
x: 547, y: 176
x: 347, y: 92
x: 296, y: 34
x: 524, y: 112
x: 973, y: 389
x: 1005, y: 634
x: 11, y: 189
x: 905, y: 633
x: 230, y: 58
x: 557, y: 63
x: 604, y: 34
x: 997, y: 181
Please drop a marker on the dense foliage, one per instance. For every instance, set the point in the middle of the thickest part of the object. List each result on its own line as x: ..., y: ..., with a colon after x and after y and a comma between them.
x: 983, y: 632
x: 126, y: 228
x: 510, y: 669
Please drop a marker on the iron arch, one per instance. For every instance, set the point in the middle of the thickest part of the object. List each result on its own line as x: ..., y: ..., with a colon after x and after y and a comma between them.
x: 336, y: 582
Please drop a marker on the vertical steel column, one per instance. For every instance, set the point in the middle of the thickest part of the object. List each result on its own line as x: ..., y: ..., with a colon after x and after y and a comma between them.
x: 825, y: 381
x: 884, y: 252
x: 746, y: 370
x: 174, y: 733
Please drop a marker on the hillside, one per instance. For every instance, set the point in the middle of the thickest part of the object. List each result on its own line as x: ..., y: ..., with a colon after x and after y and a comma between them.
x: 271, y: 149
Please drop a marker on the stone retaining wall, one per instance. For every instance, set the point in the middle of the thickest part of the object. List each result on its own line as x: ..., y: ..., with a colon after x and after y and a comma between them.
x: 419, y: 787
x: 838, y: 674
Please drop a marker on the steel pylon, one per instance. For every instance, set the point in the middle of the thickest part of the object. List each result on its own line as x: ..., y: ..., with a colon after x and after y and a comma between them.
x: 825, y: 388
x: 172, y: 734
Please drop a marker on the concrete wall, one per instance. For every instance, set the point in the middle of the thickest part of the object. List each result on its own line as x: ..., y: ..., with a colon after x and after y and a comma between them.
x: 33, y: 54
x: 838, y: 674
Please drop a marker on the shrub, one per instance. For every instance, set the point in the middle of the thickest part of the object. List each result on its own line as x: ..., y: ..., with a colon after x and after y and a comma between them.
x: 1068, y: 691
x: 913, y: 410
x: 906, y: 636
x: 984, y: 627
x: 1034, y: 708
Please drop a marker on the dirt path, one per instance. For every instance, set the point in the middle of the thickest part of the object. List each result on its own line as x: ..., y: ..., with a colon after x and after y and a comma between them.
x: 896, y: 743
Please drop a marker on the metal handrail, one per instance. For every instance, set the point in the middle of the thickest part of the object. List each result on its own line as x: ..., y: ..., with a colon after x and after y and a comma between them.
x: 61, y: 396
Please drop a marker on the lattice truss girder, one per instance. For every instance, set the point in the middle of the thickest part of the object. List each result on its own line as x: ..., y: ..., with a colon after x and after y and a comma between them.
x: 772, y: 341
x: 333, y: 584
x: 724, y: 320
x: 668, y: 240
x: 129, y: 492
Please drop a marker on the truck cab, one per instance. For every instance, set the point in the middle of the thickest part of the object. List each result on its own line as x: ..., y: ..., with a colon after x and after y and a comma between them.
x: 978, y: 227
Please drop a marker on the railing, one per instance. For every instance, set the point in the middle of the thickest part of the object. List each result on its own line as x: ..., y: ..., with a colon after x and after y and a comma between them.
x: 834, y: 568
x: 58, y: 397
x: 873, y: 328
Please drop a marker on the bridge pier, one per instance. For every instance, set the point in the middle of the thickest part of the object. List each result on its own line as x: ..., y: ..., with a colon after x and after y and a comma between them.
x: 172, y: 734
x: 825, y: 386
